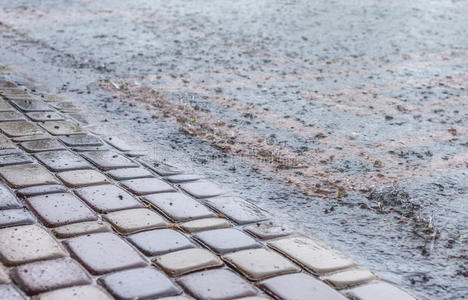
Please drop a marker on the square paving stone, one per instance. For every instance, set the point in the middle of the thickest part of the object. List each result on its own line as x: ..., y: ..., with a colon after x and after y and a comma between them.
x: 348, y: 278
x: 238, y: 210
x: 253, y: 298
x: 312, y: 255
x: 62, y: 161
x: 49, y: 275
x: 28, y: 105
x: 129, y: 173
x: 217, y: 284
x: 7, y: 198
x: 205, y: 224
x: 80, y: 140
x: 41, y: 190
x: 15, y: 217
x: 202, y: 189
x: 84, y: 292
x: 119, y: 143
x: 89, y: 148
x: 27, y: 243
x: 379, y: 290
x: 14, y: 159
x: 180, y: 178
x: 45, y: 116
x: 107, y: 160
x: 179, y: 207
x: 76, y: 229
x: 134, y: 220
x: 107, y: 198
x: 268, y: 230
x: 9, y: 292
x: 9, y: 151
x: 4, y: 278
x: 60, y: 209
x: 299, y: 287
x: 141, y: 283
x: 61, y: 127
x: 79, y: 178
x: 176, y: 298
x: 34, y: 137
x: 104, y: 252
x: 145, y: 186
x: 19, y: 176
x: 11, y: 116
x: 186, y: 261
x: 5, y: 106
x: 160, y: 241
x: 160, y: 168
x: 258, y: 264
x: 42, y: 145
x: 226, y: 240
x: 19, y: 128
x: 5, y: 143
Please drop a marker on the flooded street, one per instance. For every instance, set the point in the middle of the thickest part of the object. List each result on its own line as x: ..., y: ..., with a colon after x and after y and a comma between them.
x: 346, y: 119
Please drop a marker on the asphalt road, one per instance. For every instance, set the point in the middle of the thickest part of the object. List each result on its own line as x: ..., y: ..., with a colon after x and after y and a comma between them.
x: 346, y: 118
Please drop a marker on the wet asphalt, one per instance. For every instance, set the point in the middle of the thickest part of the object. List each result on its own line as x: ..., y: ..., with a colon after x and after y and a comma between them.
x: 347, y: 119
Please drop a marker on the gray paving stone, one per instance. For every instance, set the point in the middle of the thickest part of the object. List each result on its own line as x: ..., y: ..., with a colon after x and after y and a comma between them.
x: 80, y: 117
x: 9, y: 292
x: 76, y: 229
x: 119, y: 143
x: 49, y: 275
x: 10, y: 151
x: 348, y: 278
x: 7, y: 198
x: 178, y: 206
x: 89, y: 148
x: 80, y: 140
x: 379, y: 290
x: 65, y: 106
x: 202, y: 189
x: 141, y: 283
x: 204, y: 224
x: 62, y: 161
x: 145, y: 186
x: 45, y: 116
x: 237, y: 209
x: 299, y: 287
x: 41, y: 190
x: 32, y: 137
x: 28, y: 105
x: 180, y: 178
x: 217, y: 284
x: 19, y: 128
x: 134, y: 220
x: 27, y: 243
x: 81, y: 178
x: 5, y: 106
x: 15, y: 217
x: 11, y: 116
x: 60, y: 209
x: 84, y: 292
x: 14, y: 159
x: 20, y: 176
x: 107, y: 160
x: 129, y: 173
x: 268, y: 230
x: 5, y: 143
x: 160, y: 241
x: 61, y: 127
x: 42, y: 145
x: 107, y: 198
x: 160, y: 168
x: 226, y: 240
x: 187, y: 261
x: 4, y: 278
x: 104, y: 252
x: 176, y: 298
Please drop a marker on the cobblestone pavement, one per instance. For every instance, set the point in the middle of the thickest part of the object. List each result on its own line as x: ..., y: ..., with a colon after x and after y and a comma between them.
x: 84, y: 216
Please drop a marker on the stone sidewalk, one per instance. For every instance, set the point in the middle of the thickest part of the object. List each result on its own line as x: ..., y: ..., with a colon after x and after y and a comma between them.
x: 85, y: 216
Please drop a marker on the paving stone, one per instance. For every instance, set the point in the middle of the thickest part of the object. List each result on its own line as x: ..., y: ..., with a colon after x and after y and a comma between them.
x: 145, y: 186
x: 119, y: 143
x: 45, y: 116
x: 19, y: 128
x: 217, y: 284
x: 4, y: 278
x: 129, y: 173
x: 15, y: 217
x: 176, y: 298
x: 27, y: 243
x: 89, y: 148
x: 10, y: 116
x: 42, y: 145
x: 80, y: 117
x: 299, y: 287
x: 28, y: 105
x: 5, y: 143
x: 348, y: 278
x: 205, y: 224
x: 9, y: 292
x: 107, y: 160
x: 60, y: 209
x: 379, y: 290
x: 268, y: 230
x: 49, y: 275
x: 253, y: 298
x: 312, y: 255
x: 141, y: 283
x: 80, y: 140
x: 160, y: 168
x: 62, y: 160
x: 202, y: 189
x: 19, y: 176
x: 76, y: 229
x: 34, y: 137
x: 258, y: 264
x: 183, y: 178
x: 41, y: 190
x: 179, y: 207
x: 107, y: 198
x: 134, y: 220
x: 5, y: 106
x: 186, y: 261
x: 160, y: 241
x: 14, y: 159
x: 226, y: 240
x: 88, y: 292
x: 61, y: 127
x: 10, y: 151
x: 7, y: 199
x: 238, y: 210
x: 65, y: 106
x: 80, y: 178
x: 104, y: 252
